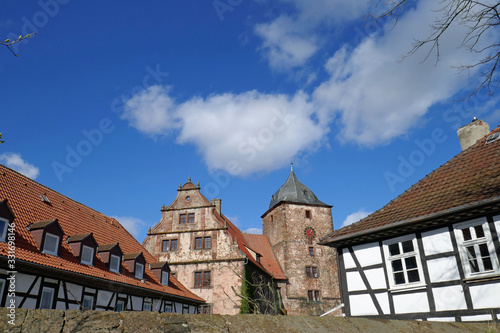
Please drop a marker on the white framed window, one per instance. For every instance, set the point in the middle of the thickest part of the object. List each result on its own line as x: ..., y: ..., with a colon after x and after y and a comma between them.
x: 139, y: 270
x: 51, y: 244
x: 476, y: 247
x: 47, y: 299
x: 120, y: 305
x: 4, y: 224
x: 114, y: 263
x: 404, y: 267
x: 168, y: 307
x: 147, y: 306
x: 88, y: 302
x: 87, y: 255
x: 164, y: 278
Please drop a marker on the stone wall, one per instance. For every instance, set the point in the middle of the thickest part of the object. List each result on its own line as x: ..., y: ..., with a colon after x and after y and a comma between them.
x: 100, y: 321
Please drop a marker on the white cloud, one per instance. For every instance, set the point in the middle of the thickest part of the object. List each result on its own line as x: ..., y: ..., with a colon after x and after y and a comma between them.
x: 355, y: 217
x: 254, y: 231
x: 132, y: 224
x: 15, y: 161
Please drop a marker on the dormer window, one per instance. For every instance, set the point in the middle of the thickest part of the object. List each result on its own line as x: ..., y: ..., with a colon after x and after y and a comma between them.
x: 111, y: 255
x: 83, y: 247
x: 162, y: 272
x: 47, y: 235
x: 3, y: 229
x: 6, y: 216
x: 114, y: 263
x: 139, y: 270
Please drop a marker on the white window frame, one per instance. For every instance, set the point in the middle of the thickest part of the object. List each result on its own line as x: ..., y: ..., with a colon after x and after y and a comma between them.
x: 164, y: 278
x: 91, y: 262
x: 390, y: 258
x: 51, y: 303
x: 3, y: 230
x: 87, y: 298
x: 168, y: 308
x: 463, y: 244
x: 50, y: 251
x: 112, y: 268
x: 147, y: 305
x: 139, y: 273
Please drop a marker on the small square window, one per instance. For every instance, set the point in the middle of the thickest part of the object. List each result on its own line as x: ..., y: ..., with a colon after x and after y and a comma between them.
x: 311, y: 251
x: 88, y: 302
x: 51, y: 244
x: 312, y: 272
x: 3, y: 229
x: 206, y: 309
x: 182, y: 219
x: 114, y: 263
x: 308, y: 214
x: 202, y: 279
x: 47, y: 298
x: 147, y: 306
x: 139, y: 270
x: 165, y: 245
x: 164, y: 278
x: 87, y: 256
x: 313, y: 296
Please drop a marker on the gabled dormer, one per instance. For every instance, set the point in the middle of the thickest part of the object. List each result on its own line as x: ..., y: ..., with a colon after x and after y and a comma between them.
x: 162, y: 271
x: 84, y: 247
x: 111, y: 255
x: 47, y: 235
x: 135, y: 263
x: 6, y: 217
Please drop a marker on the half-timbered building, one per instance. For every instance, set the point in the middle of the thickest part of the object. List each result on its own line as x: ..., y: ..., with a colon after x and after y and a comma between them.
x: 57, y: 253
x: 433, y: 252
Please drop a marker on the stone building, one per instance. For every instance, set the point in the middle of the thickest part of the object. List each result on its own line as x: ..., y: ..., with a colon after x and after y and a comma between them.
x: 212, y: 257
x: 295, y: 220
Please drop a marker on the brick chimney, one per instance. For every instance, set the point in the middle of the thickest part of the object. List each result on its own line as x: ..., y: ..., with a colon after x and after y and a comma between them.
x: 470, y: 133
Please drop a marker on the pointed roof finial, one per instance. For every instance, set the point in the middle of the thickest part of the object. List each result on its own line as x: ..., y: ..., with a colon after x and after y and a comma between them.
x: 189, y: 179
x: 291, y: 166
x: 198, y: 183
x: 180, y: 186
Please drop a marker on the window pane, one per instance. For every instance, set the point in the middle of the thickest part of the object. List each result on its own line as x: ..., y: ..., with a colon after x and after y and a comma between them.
x: 197, y: 243
x: 413, y: 275
x: 197, y: 279
x: 394, y: 249
x: 487, y: 264
x: 165, y: 246
x: 208, y: 243
x: 466, y: 233
x: 47, y: 297
x: 114, y: 263
x: 173, y: 245
x: 474, y: 266
x: 479, y: 231
x: 3, y: 230
x: 87, y: 254
x: 310, y: 295
x: 399, y: 278
x: 397, y: 265
x: 411, y: 262
x: 139, y: 270
x: 88, y: 302
x: 311, y: 251
x: 191, y: 218
x: 471, y: 253
x: 182, y: 219
x: 483, y: 249
x: 206, y: 279
x: 164, y: 278
x: 408, y: 246
x: 50, y: 244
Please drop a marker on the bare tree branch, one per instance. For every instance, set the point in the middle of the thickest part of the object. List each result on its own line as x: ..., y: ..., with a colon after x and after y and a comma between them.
x: 8, y: 42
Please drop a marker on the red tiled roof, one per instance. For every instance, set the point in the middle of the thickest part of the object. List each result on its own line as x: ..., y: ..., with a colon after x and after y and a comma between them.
x: 470, y: 178
x: 243, y: 245
x: 261, y: 245
x: 23, y: 196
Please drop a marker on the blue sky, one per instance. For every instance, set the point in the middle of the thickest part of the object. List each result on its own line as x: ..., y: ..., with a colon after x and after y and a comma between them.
x: 114, y: 104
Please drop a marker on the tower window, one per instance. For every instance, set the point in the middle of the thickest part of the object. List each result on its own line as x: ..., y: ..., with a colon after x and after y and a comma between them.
x: 313, y: 296
x: 311, y: 251
x: 312, y: 272
x: 308, y: 214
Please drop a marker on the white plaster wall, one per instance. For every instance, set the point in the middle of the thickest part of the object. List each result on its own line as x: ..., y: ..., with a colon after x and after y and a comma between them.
x: 47, y: 280
x: 368, y: 254
x: 449, y: 298
x: 103, y: 297
x: 157, y: 305
x: 362, y: 305
x: 61, y: 291
x: 383, y: 301
x: 137, y: 303
x: 348, y: 262
x: 485, y: 317
x: 411, y: 303
x: 485, y: 296
x: 74, y: 291
x: 376, y: 278
x: 90, y: 290
x: 497, y: 224
x: 61, y: 306
x: 23, y: 282
x: 73, y: 306
x: 437, y: 241
x: 443, y: 269
x: 36, y: 287
x: 354, y: 281
x: 30, y: 303
x: 441, y: 319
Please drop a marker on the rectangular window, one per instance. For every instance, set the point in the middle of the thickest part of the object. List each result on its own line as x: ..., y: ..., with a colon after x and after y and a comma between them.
x: 147, y: 306
x: 88, y: 302
x: 202, y: 279
x: 164, y: 278
x: 207, y: 242
x: 198, y: 241
x: 2, y: 285
x: 312, y: 272
x: 51, y: 244
x: 403, y: 262
x: 168, y: 307
x: 308, y: 214
x: 311, y: 251
x: 120, y: 305
x: 313, y: 296
x: 87, y: 256
x: 476, y: 247
x: 191, y: 218
x: 165, y: 245
x: 139, y: 270
x: 173, y: 245
x: 206, y: 309
x: 3, y: 229
x: 114, y: 263
x: 182, y: 219
x: 47, y: 299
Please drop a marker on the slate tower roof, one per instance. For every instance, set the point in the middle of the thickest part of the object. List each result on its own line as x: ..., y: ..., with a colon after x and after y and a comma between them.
x: 295, y: 192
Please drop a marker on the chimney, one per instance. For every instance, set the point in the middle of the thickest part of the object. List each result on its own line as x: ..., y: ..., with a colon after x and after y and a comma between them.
x: 216, y: 203
x: 470, y: 133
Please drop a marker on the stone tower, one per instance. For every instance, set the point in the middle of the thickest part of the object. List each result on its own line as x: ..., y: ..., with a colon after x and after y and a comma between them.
x: 294, y: 222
